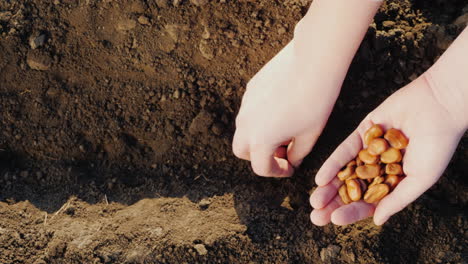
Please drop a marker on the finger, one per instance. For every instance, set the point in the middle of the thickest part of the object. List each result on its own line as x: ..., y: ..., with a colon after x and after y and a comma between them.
x: 300, y: 147
x: 321, y: 217
x: 240, y: 147
x: 324, y: 194
x: 265, y: 164
x: 408, y: 190
x: 352, y: 212
x: 423, y: 163
x: 345, y: 152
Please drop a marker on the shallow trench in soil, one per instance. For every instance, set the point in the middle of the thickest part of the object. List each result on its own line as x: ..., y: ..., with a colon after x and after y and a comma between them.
x: 116, y: 121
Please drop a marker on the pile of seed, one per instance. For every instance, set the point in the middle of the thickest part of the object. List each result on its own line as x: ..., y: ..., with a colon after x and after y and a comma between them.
x: 377, y: 169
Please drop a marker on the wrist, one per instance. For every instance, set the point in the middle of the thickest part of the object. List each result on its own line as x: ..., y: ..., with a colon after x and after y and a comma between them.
x: 330, y: 33
x: 448, y: 80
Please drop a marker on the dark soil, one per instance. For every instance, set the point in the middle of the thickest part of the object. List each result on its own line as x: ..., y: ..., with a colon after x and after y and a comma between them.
x: 115, y: 136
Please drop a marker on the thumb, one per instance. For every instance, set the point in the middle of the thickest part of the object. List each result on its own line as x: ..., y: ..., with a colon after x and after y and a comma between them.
x: 300, y: 147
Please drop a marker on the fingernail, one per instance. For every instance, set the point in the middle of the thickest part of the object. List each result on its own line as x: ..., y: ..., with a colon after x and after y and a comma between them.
x: 381, y: 221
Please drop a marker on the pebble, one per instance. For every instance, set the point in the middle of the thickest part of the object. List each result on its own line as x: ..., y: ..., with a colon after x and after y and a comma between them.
x: 206, y: 51
x: 388, y: 23
x: 162, y: 3
x: 199, y: 2
x: 201, y: 249
x: 126, y: 25
x: 144, y: 20
x: 281, y: 30
x: 38, y: 61
x: 204, y: 203
x: 176, y: 94
x: 36, y: 41
x: 329, y: 253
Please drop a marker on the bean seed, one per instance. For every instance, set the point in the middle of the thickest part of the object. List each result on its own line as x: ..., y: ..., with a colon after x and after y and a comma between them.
x: 377, y: 146
x: 392, y: 181
x: 343, y: 192
x: 377, y: 180
x: 368, y: 171
x: 374, y: 131
x: 352, y: 163
x: 392, y: 155
x: 396, y: 138
x: 393, y: 168
x: 376, y: 193
x: 345, y: 173
x: 367, y: 158
x: 354, y: 189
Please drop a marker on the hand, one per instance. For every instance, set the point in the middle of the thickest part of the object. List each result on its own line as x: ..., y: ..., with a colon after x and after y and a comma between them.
x: 433, y: 134
x: 283, y: 112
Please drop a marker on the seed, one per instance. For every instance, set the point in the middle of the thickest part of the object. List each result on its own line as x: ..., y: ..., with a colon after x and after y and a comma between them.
x: 354, y: 189
x: 368, y: 171
x: 377, y: 146
x: 396, y: 138
x: 392, y: 155
x: 393, y: 168
x: 367, y: 158
x: 377, y: 180
x: 392, y: 181
x: 376, y: 193
x: 352, y: 163
x: 345, y: 173
x: 343, y: 192
x: 373, y: 132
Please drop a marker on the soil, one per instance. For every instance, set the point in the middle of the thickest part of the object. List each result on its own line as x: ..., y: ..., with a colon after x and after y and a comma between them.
x: 116, y: 124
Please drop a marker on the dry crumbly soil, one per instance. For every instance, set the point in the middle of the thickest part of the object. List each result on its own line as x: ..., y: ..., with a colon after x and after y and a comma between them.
x: 116, y: 123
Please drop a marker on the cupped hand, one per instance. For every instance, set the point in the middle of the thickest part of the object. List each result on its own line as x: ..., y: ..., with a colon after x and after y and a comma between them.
x: 433, y: 137
x: 284, y: 109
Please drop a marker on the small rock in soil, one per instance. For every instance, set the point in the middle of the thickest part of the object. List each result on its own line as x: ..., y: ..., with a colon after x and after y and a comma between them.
x: 162, y: 3
x: 201, y: 249
x: 126, y: 25
x: 204, y: 203
x: 201, y: 123
x: 388, y: 23
x: 206, y: 50
x: 199, y: 2
x: 38, y: 61
x: 330, y: 253
x: 144, y: 20
x: 36, y: 41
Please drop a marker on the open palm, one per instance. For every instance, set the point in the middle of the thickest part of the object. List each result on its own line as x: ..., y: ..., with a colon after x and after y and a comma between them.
x: 433, y: 136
